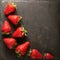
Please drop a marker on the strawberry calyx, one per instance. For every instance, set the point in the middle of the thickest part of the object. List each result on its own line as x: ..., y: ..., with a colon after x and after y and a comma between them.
x: 20, y: 19
x: 18, y: 54
x: 44, y: 55
x: 13, y: 4
x: 6, y: 33
x: 24, y: 31
x: 29, y: 52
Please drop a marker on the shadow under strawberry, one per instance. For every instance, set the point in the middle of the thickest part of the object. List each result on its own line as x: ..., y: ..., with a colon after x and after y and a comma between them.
x: 5, y: 35
x: 35, y: 59
x: 22, y: 40
x: 9, y: 53
x: 10, y: 14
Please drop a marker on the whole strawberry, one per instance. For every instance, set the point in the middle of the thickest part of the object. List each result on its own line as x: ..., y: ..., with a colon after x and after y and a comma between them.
x: 35, y: 54
x: 19, y: 32
x: 14, y: 19
x: 10, y: 8
x: 6, y: 28
x: 22, y: 49
x: 10, y: 42
x: 48, y: 56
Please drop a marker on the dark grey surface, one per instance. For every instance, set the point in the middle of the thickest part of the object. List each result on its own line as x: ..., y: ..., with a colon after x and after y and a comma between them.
x: 42, y: 20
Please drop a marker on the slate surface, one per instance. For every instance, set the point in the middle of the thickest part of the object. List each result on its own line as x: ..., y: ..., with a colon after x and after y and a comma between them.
x: 42, y: 20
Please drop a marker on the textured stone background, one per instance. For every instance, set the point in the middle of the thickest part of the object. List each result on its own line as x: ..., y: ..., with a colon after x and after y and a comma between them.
x: 42, y: 20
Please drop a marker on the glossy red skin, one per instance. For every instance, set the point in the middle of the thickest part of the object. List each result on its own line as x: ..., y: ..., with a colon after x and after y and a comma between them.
x: 6, y: 28
x: 22, y: 49
x: 10, y: 42
x: 14, y: 19
x: 49, y: 56
x: 9, y: 9
x: 35, y: 54
x: 18, y: 33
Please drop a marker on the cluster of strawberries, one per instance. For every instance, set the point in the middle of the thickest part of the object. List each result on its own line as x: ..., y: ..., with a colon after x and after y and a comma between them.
x: 20, y: 32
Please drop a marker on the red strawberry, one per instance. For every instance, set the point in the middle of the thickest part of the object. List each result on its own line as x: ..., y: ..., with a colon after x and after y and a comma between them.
x: 14, y: 19
x: 10, y: 42
x: 35, y: 54
x: 22, y: 49
x: 6, y: 28
x: 10, y: 8
x: 19, y: 32
x: 48, y: 56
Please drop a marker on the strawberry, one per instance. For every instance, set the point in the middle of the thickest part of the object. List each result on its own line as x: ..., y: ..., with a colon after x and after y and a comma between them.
x: 10, y: 8
x: 35, y: 54
x: 10, y: 42
x: 14, y: 19
x: 6, y: 28
x: 48, y: 56
x: 22, y: 49
x: 19, y: 32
